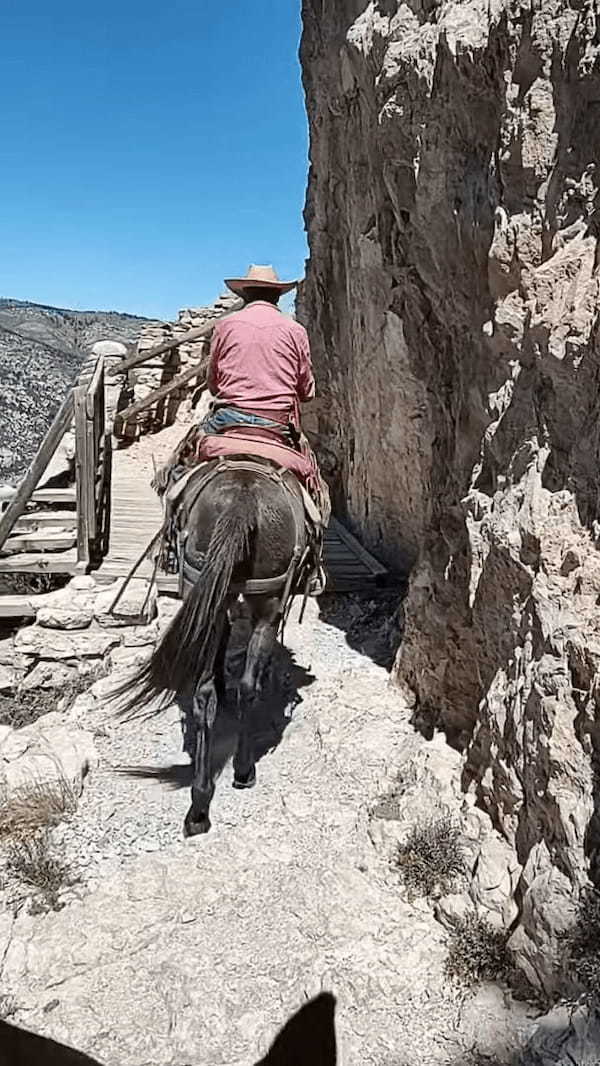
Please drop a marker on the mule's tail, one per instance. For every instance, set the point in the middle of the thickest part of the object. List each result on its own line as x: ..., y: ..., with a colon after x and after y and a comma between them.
x: 190, y: 638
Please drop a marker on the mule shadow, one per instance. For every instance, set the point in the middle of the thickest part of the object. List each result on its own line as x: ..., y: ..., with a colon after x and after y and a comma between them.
x: 307, y: 1039
x: 271, y: 714
x: 19, y: 1047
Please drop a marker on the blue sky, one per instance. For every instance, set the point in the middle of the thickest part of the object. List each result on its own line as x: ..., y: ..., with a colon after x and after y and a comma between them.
x: 147, y: 150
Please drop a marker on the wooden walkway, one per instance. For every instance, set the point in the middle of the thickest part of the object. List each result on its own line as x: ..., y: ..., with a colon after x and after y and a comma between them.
x: 47, y: 538
x: 137, y: 515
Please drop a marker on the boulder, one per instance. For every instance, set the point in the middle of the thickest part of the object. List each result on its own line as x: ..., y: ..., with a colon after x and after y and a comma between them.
x: 112, y: 349
x: 494, y: 882
x: 40, y: 643
x: 68, y: 615
x: 47, y: 674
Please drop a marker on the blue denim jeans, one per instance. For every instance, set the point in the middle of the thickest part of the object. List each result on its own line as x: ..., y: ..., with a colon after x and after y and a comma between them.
x: 224, y: 417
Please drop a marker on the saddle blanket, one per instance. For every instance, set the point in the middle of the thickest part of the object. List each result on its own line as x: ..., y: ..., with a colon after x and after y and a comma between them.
x: 214, y: 446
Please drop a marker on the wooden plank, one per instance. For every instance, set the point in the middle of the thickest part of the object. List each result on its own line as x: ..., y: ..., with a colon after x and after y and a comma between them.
x: 81, y: 468
x: 92, y: 467
x: 59, y: 495
x: 15, y: 606
x: 41, y: 540
x: 106, y: 494
x: 109, y: 571
x: 160, y: 393
x: 38, y: 563
x: 42, y: 519
x: 60, y: 424
x: 376, y: 568
x: 152, y: 353
x: 95, y: 387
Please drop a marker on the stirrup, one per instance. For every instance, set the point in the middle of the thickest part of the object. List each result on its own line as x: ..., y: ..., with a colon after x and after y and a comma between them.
x: 317, y: 582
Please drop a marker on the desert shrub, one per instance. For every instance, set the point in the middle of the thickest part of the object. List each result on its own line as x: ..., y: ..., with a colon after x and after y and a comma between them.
x: 25, y: 707
x: 478, y: 952
x: 432, y: 858
x: 581, y: 956
x: 31, y: 860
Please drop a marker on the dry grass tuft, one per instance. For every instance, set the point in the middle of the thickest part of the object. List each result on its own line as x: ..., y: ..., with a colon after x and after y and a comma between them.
x: 37, y: 805
x: 478, y: 952
x: 432, y: 858
x: 32, y: 861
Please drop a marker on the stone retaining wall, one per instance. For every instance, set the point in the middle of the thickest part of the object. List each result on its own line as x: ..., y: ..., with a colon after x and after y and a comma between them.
x: 144, y: 379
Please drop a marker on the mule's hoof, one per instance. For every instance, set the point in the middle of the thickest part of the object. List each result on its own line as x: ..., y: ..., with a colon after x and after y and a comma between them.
x: 245, y: 780
x: 191, y: 828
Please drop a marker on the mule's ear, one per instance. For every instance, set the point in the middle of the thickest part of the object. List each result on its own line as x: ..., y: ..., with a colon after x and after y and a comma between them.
x: 308, y: 1038
x: 19, y: 1047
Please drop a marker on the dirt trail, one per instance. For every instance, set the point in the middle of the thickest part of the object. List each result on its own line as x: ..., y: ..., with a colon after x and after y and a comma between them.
x: 173, y: 952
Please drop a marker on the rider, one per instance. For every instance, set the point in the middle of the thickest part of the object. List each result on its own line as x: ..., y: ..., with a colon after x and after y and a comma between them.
x: 260, y: 369
x: 259, y: 373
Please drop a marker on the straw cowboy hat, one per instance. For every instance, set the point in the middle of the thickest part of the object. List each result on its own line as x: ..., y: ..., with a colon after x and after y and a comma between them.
x: 259, y: 277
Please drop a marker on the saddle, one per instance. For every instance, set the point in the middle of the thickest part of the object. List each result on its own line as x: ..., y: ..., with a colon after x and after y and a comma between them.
x: 183, y: 493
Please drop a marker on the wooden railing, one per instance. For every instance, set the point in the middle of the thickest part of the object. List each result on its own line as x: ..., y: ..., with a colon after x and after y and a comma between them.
x: 84, y: 406
x: 37, y: 469
x: 92, y: 465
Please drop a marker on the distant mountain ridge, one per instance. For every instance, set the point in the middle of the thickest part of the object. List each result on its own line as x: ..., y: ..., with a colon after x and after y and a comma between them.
x: 67, y: 330
x: 41, y: 351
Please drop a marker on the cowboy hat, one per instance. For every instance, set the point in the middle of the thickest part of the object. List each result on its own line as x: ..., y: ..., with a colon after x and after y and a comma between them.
x: 259, y: 277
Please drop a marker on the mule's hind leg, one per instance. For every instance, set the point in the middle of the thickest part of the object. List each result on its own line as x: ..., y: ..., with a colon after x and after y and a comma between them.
x: 265, y: 615
x: 207, y: 696
x: 204, y: 712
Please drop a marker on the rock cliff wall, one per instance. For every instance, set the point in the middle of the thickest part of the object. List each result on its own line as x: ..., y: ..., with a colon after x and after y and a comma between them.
x: 452, y: 296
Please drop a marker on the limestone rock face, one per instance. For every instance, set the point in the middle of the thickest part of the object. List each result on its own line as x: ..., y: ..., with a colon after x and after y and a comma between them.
x: 452, y: 295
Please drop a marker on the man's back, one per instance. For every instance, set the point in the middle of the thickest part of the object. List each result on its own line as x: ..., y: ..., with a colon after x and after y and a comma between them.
x: 260, y: 360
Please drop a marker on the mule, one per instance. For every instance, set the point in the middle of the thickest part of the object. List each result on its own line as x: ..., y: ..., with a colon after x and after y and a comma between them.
x: 244, y: 532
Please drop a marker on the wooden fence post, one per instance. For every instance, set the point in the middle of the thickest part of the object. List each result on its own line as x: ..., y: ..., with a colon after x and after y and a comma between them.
x: 82, y: 485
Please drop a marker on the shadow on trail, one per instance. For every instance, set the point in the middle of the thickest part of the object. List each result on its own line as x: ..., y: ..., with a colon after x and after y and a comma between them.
x: 271, y: 715
x: 371, y: 621
x: 307, y: 1039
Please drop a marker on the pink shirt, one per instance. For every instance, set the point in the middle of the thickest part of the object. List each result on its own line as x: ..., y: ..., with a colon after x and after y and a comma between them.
x: 260, y: 360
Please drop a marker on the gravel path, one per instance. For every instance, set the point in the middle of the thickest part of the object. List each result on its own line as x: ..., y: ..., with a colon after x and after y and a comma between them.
x: 173, y: 952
